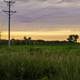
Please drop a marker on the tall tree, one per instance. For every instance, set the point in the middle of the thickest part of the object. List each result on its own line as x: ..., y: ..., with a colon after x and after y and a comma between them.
x: 73, y: 38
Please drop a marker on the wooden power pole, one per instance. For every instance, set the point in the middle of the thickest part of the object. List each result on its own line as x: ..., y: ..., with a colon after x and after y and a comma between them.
x: 9, y: 12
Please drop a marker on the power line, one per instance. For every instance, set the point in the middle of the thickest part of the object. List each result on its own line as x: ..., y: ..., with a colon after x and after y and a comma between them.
x: 9, y: 12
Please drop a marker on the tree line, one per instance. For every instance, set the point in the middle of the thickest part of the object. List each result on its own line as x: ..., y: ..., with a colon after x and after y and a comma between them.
x: 28, y: 41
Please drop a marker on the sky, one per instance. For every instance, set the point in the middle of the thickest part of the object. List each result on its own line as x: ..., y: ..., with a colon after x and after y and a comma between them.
x: 42, y: 19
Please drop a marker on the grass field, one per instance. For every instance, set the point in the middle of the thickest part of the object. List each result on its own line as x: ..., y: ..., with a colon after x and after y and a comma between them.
x: 60, y: 62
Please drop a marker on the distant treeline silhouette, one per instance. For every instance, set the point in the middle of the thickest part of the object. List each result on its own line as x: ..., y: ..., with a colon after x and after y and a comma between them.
x: 29, y: 41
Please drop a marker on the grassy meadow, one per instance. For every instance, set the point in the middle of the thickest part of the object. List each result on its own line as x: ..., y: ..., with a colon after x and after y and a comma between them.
x: 40, y: 62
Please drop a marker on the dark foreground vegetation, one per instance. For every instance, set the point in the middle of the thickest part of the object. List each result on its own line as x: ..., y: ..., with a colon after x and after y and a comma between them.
x: 40, y: 62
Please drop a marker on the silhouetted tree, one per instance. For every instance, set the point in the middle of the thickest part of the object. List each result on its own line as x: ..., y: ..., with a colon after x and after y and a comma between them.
x: 29, y: 40
x: 12, y: 41
x: 25, y: 40
x: 73, y: 38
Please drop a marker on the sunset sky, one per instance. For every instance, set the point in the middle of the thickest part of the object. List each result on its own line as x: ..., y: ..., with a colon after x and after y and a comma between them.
x: 42, y: 19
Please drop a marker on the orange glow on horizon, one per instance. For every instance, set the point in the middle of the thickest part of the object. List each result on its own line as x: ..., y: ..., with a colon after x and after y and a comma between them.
x: 47, y: 35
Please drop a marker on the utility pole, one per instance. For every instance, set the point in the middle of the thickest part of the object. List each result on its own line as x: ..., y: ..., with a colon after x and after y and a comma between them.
x: 9, y: 12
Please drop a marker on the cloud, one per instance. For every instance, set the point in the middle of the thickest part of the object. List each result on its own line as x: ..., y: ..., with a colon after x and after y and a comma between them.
x: 35, y: 11
x: 51, y: 16
x: 47, y: 11
x: 54, y: 3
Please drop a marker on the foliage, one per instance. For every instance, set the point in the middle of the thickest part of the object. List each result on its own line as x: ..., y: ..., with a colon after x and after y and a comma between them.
x: 73, y: 38
x: 40, y: 62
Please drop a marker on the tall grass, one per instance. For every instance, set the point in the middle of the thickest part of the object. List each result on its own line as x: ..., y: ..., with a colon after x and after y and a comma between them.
x: 40, y: 62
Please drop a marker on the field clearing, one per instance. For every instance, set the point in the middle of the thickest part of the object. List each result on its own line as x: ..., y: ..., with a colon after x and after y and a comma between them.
x: 40, y: 62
